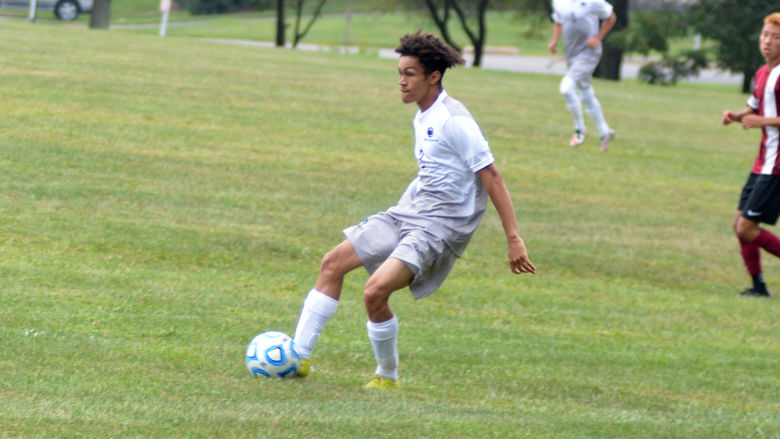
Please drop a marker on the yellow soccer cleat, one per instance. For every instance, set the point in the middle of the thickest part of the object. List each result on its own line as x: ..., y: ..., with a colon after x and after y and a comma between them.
x: 382, y: 383
x: 303, y: 369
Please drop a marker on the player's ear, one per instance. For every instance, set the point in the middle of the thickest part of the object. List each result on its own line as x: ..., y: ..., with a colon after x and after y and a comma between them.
x: 434, y: 78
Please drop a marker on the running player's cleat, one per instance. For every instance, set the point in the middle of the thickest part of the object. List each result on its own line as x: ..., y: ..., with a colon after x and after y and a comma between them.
x: 754, y: 293
x: 303, y: 369
x: 577, y: 138
x: 381, y: 383
x: 605, y: 139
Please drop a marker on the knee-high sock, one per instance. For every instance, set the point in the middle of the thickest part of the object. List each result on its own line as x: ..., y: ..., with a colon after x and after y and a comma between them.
x: 384, y: 340
x: 593, y: 107
x: 317, y: 310
x: 751, y: 254
x: 768, y: 241
x: 568, y: 90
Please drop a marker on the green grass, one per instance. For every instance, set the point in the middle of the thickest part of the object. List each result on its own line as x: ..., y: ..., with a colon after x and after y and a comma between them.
x: 163, y: 200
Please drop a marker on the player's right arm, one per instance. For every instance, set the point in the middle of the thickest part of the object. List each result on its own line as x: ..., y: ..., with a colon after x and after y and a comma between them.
x: 730, y: 116
x: 556, y: 35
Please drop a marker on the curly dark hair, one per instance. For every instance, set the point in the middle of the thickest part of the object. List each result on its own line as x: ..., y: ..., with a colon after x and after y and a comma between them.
x: 433, y: 53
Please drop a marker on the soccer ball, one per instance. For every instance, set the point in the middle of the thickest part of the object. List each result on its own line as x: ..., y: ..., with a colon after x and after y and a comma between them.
x: 272, y: 354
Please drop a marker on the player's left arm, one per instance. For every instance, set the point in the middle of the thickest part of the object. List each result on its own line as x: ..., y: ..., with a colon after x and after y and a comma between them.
x: 499, y: 195
x: 606, y: 26
x: 753, y: 120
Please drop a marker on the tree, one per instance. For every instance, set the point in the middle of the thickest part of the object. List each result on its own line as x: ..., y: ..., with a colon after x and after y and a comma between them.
x: 470, y: 13
x: 735, y: 27
x: 280, y: 23
x: 612, y: 54
x: 101, y: 14
x: 298, y: 13
x: 471, y: 16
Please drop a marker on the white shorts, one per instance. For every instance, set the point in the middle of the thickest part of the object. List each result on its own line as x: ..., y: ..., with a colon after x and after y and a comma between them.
x: 582, y: 65
x: 382, y: 236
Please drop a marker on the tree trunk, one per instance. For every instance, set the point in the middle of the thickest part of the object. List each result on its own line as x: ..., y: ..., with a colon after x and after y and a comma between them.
x: 280, y: 23
x: 609, y: 65
x: 747, y: 81
x: 612, y: 57
x: 101, y: 14
x: 441, y: 22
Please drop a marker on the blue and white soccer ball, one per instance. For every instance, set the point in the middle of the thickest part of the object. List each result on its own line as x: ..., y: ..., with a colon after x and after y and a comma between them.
x: 272, y: 354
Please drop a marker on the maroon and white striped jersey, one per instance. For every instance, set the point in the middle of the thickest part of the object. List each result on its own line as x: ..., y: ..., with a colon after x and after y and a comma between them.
x: 765, y: 100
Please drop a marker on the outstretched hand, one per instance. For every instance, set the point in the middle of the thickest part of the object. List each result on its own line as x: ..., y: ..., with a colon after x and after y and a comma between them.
x: 518, y: 258
x: 728, y: 117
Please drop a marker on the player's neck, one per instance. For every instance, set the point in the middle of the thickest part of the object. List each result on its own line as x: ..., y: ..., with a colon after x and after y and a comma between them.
x: 430, y: 97
x: 771, y: 63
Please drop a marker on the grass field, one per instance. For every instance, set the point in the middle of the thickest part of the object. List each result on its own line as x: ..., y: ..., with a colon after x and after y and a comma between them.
x: 162, y: 200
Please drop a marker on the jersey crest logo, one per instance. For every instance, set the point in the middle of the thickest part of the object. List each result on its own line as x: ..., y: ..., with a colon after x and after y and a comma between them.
x: 430, y: 132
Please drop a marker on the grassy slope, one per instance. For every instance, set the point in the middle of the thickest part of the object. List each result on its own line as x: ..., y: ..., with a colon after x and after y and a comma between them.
x: 163, y: 200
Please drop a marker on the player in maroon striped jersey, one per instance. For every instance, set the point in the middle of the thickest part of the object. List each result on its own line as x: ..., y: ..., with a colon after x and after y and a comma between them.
x: 760, y: 198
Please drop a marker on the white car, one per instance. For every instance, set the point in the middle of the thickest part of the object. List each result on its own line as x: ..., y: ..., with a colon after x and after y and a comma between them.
x: 63, y: 9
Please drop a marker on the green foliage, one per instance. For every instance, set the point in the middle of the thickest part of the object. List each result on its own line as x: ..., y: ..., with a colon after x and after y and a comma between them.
x: 649, y: 31
x: 220, y: 6
x: 673, y: 68
x: 735, y: 27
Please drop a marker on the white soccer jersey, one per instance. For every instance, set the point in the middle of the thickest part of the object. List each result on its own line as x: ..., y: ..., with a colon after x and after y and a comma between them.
x: 447, y: 197
x: 580, y: 21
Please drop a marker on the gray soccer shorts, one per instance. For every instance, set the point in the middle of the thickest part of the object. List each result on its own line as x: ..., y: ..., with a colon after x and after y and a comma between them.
x: 382, y: 236
x: 582, y: 65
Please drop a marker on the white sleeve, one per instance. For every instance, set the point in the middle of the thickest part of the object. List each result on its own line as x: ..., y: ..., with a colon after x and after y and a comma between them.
x: 556, y: 15
x: 753, y: 102
x: 602, y: 9
x: 464, y: 135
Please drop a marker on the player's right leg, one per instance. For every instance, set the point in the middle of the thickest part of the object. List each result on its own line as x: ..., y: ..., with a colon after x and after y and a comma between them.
x: 321, y: 302
x: 751, y: 256
x: 568, y: 89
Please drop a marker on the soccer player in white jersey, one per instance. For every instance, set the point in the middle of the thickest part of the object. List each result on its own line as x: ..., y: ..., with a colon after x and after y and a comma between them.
x: 760, y: 198
x: 415, y: 243
x: 578, y: 22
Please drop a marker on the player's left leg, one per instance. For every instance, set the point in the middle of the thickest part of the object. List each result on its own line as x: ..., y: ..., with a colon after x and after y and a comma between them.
x: 382, y: 325
x: 751, y: 232
x: 593, y: 108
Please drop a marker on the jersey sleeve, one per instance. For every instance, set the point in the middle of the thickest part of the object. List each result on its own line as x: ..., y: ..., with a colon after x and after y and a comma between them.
x: 753, y: 101
x: 467, y: 140
x: 602, y: 9
x: 556, y: 14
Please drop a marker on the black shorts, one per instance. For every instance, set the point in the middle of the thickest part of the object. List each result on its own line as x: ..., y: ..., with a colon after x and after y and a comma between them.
x: 760, y: 198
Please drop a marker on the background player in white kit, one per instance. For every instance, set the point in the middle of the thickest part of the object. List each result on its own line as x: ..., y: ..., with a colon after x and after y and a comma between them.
x: 578, y: 22
x: 415, y: 243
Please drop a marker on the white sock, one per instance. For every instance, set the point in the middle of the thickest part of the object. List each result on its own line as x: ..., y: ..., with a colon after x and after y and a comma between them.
x: 593, y: 107
x: 568, y: 89
x: 317, y: 310
x: 384, y: 340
